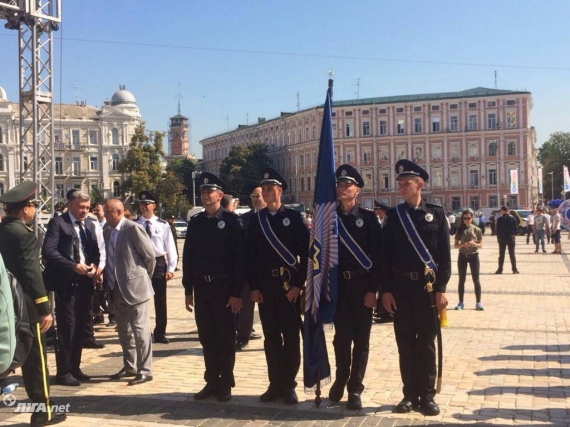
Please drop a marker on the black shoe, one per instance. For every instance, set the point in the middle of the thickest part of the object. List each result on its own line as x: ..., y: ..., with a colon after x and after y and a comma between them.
x: 336, y: 392
x: 93, y: 344
x: 290, y: 397
x: 97, y: 320
x: 430, y: 407
x: 81, y: 376
x: 240, y: 345
x: 123, y: 373
x: 161, y: 340
x: 516, y: 272
x: 406, y: 405
x: 207, y: 391
x: 68, y: 380
x: 270, y: 395
x: 140, y: 378
x: 253, y: 336
x: 354, y: 401
x: 499, y: 272
x: 112, y: 323
x: 55, y: 419
x: 224, y: 394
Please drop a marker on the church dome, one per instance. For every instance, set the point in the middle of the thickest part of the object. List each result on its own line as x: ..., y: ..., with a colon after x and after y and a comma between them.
x: 3, y: 96
x: 122, y: 97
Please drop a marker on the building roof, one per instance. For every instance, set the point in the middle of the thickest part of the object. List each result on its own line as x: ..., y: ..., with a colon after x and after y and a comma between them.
x: 3, y: 95
x: 469, y: 93
x: 71, y: 111
x: 179, y: 116
x: 123, y: 96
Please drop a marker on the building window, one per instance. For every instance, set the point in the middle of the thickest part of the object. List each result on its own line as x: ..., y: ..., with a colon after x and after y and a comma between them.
x: 493, y: 202
x: 116, y: 189
x: 348, y: 130
x: 435, y: 124
x: 491, y: 104
x: 59, y: 165
x: 473, y: 122
x: 492, y: 148
x: 455, y: 203
x: 301, y: 160
x: 93, y: 137
x: 366, y: 129
x: 309, y: 183
x: 453, y: 124
x: 1, y: 188
x: 384, y: 180
x: 75, y: 137
x: 365, y: 112
x: 366, y: 155
x: 1, y: 135
x: 349, y: 155
x: 511, y: 120
x: 75, y: 163
x: 435, y: 108
x: 417, y: 125
x: 115, y: 136
x: 474, y: 203
x: 383, y: 127
x: 1, y: 163
x: 512, y: 149
x: 511, y: 102
x: 473, y: 178
x: 348, y: 113
x: 93, y: 163
x: 437, y: 178
x: 59, y: 193
x: 417, y: 109
x: 491, y: 121
x: 455, y: 180
x: 453, y: 106
x: 399, y: 110
x: 302, y: 184
x: 368, y: 179
x: 382, y: 111
x: 115, y: 162
x: 492, y: 175
x: 472, y: 105
x: 401, y: 129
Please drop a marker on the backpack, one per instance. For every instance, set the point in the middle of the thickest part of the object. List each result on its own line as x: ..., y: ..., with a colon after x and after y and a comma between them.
x: 24, y: 335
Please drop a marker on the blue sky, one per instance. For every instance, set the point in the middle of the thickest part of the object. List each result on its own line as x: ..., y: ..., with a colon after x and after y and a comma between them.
x: 248, y: 59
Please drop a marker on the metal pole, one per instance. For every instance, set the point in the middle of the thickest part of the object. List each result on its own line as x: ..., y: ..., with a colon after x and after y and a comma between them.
x: 551, y: 185
x: 498, y: 174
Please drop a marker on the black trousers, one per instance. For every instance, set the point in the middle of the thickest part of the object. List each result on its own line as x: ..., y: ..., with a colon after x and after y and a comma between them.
x: 72, y: 313
x: 217, y: 335
x: 244, y: 317
x: 415, y: 329
x: 159, y: 286
x: 281, y: 322
x: 502, y: 246
x: 36, y: 375
x: 352, y: 323
x: 473, y: 261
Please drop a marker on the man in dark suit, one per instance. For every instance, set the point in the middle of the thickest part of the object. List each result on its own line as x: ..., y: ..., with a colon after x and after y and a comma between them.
x: 19, y: 248
x: 130, y: 264
x: 506, y: 236
x: 74, y: 257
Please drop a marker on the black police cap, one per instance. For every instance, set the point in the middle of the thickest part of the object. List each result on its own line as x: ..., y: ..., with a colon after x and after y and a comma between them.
x: 209, y: 181
x: 147, y: 197
x: 406, y: 167
x: 271, y: 176
x: 20, y: 194
x: 346, y: 173
x: 70, y: 193
x: 378, y: 205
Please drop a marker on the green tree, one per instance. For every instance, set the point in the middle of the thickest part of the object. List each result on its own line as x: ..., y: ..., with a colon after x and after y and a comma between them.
x: 96, y: 195
x: 171, y: 196
x: 241, y: 170
x: 553, y: 155
x: 143, y: 165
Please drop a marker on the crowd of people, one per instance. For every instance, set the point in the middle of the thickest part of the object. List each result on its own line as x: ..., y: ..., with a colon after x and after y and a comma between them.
x: 394, y: 265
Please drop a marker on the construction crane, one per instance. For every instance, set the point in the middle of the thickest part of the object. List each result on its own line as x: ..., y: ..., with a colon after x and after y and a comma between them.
x: 35, y: 20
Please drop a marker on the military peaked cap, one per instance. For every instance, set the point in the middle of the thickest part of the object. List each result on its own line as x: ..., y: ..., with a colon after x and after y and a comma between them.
x: 20, y: 194
x: 406, y: 167
x: 271, y: 176
x: 147, y: 197
x: 209, y: 181
x: 346, y: 173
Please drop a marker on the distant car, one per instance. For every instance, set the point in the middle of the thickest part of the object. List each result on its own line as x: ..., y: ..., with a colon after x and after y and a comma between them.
x: 181, y: 227
x: 521, y: 215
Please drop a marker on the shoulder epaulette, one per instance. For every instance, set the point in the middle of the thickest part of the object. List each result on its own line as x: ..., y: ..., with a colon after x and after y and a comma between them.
x: 161, y: 220
x: 435, y: 205
x: 195, y: 215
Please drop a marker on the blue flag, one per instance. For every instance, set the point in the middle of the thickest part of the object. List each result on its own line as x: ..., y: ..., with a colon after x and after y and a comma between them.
x: 322, y: 274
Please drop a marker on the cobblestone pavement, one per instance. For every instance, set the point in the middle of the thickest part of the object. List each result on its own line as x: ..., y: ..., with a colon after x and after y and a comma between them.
x: 507, y: 365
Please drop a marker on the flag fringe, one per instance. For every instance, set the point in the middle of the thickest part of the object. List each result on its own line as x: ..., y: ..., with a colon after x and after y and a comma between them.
x: 324, y: 382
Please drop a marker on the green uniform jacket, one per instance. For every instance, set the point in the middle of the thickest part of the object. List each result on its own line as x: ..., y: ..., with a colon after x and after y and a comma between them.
x: 19, y: 248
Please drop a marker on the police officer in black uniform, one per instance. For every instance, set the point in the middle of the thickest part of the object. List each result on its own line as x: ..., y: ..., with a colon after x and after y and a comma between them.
x: 214, y: 273
x: 19, y: 248
x: 276, y: 277
x: 403, y: 277
x: 357, y: 287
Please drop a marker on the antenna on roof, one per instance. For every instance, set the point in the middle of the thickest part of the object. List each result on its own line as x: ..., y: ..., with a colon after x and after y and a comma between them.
x: 298, y: 101
x: 179, y: 98
x: 495, y: 79
x: 357, y: 84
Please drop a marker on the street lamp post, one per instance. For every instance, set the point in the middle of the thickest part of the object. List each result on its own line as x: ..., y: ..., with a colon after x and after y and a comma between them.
x: 551, y: 185
x: 496, y: 144
x: 194, y: 176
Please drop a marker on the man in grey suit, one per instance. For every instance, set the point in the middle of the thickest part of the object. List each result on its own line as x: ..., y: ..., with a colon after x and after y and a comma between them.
x: 130, y: 264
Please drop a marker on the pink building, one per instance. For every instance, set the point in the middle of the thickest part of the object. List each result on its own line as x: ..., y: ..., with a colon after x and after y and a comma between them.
x: 469, y: 142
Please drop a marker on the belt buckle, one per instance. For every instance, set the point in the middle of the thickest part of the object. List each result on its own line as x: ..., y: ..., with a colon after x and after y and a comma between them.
x: 207, y: 278
x: 346, y: 275
x: 413, y: 275
x: 275, y: 272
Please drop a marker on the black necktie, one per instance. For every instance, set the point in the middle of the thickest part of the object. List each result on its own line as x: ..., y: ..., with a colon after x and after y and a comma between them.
x: 148, y: 229
x: 82, y: 235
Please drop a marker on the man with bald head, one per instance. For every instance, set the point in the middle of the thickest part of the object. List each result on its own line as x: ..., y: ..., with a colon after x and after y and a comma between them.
x: 130, y: 265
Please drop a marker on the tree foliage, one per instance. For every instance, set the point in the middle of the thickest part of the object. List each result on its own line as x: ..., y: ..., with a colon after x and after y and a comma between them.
x: 241, y: 170
x: 553, y: 155
x: 143, y: 165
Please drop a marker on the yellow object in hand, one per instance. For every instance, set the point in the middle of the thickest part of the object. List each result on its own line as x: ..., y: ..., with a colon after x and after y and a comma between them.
x: 443, y: 322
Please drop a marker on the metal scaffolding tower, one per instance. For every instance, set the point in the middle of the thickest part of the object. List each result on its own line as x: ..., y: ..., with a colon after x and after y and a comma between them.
x: 35, y: 20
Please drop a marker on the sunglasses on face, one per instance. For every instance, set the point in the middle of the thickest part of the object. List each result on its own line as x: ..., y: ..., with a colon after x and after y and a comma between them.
x: 467, y: 217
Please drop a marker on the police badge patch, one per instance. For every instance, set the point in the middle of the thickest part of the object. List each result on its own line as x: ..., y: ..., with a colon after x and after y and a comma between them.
x: 429, y: 217
x: 286, y: 222
x: 221, y: 224
x: 359, y: 222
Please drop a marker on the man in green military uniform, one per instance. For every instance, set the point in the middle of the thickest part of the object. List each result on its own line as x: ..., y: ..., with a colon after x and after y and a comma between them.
x: 19, y: 248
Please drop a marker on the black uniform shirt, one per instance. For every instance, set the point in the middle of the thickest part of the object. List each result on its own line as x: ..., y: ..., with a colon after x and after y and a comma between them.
x: 506, y: 228
x: 214, y: 246
x: 368, y: 237
x: 289, y: 227
x: 398, y: 254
